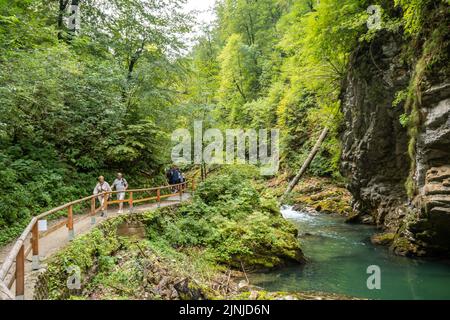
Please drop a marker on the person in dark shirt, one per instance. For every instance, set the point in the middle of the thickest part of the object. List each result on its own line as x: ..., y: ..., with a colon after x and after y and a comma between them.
x: 174, y: 176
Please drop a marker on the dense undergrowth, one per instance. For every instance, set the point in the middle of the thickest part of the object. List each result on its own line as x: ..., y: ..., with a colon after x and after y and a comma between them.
x: 76, y: 107
x: 229, y: 218
x: 227, y: 226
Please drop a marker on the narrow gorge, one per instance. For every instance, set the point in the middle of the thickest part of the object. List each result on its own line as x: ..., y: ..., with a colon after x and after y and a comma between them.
x: 224, y: 149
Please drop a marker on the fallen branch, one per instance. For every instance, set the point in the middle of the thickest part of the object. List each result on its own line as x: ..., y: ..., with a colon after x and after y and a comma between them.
x: 141, y: 250
x: 306, y: 164
x: 245, y: 273
x: 228, y: 282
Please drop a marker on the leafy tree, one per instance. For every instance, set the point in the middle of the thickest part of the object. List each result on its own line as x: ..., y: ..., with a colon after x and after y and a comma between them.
x: 77, y: 105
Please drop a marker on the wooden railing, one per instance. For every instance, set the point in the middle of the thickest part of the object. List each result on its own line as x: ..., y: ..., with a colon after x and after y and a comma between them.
x: 18, y: 253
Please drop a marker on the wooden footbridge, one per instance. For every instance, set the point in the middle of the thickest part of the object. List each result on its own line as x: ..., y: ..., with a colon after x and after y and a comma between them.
x: 40, y: 242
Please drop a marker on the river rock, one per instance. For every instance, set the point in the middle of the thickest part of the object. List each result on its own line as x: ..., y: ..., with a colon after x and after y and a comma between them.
x: 383, y: 239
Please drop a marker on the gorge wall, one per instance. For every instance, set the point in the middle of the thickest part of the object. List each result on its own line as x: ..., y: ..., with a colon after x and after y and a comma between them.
x: 399, y: 175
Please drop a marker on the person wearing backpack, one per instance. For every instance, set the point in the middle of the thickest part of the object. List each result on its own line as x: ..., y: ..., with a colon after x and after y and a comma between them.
x: 174, y: 176
x: 178, y: 177
x: 169, y: 175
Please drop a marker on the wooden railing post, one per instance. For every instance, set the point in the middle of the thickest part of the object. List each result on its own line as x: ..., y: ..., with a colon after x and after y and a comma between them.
x: 158, y: 197
x: 35, y: 247
x: 105, y: 204
x: 93, y: 211
x: 70, y: 223
x: 17, y: 254
x: 130, y: 202
x: 20, y: 274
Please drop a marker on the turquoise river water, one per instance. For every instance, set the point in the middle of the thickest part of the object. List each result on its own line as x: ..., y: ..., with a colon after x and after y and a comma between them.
x: 339, y: 255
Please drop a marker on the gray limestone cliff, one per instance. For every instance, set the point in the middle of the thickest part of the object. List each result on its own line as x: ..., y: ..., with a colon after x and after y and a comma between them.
x: 382, y: 159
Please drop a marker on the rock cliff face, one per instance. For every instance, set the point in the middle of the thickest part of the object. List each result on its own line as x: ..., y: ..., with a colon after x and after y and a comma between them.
x: 375, y: 157
x: 432, y: 175
x: 375, y: 149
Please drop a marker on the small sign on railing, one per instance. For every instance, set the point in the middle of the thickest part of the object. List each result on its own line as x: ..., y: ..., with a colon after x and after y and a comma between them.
x: 42, y: 225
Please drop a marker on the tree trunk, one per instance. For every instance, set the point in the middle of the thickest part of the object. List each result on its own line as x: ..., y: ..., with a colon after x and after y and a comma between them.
x: 62, y: 9
x: 306, y: 164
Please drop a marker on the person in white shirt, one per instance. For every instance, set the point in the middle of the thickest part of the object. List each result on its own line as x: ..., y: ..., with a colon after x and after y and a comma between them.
x: 101, y: 187
x: 120, y: 184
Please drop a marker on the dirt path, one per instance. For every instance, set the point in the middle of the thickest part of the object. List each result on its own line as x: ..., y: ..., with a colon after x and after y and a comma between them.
x: 58, y: 239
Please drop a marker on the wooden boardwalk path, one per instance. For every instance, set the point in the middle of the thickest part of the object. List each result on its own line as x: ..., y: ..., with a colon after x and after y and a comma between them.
x: 58, y: 238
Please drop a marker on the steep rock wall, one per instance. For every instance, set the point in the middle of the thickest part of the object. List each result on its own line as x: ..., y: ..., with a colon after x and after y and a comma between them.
x: 375, y: 148
x: 374, y: 156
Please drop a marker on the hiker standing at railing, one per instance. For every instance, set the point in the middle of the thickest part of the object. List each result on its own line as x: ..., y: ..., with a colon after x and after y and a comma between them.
x: 101, y: 187
x: 121, y: 185
x: 175, y: 176
x: 170, y: 175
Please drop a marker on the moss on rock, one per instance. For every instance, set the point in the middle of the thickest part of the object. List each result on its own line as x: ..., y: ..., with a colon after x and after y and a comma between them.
x: 323, y: 195
x: 280, y: 295
x: 383, y: 239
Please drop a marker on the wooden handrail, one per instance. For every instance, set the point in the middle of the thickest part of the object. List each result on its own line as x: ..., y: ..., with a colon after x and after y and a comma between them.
x: 17, y: 255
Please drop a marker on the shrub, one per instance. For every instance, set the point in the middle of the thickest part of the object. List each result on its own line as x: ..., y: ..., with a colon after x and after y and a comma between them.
x: 230, y: 219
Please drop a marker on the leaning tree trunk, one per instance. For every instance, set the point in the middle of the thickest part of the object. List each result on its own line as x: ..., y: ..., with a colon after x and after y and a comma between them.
x: 306, y: 164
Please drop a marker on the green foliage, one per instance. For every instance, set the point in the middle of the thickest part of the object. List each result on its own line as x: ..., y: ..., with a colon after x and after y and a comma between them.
x: 413, y: 14
x: 238, y: 83
x: 400, y: 97
x: 74, y: 107
x: 405, y: 120
x: 280, y: 64
x: 84, y: 252
x: 232, y: 222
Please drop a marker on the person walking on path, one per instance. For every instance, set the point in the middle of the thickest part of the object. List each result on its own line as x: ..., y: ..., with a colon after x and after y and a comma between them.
x: 101, y: 187
x: 120, y: 184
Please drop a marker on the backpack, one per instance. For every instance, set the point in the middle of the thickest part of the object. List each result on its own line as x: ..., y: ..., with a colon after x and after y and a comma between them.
x: 176, y: 176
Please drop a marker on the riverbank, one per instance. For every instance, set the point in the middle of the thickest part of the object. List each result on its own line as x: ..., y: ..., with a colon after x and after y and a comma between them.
x: 117, y: 262
x: 314, y: 194
x: 196, y: 250
x: 339, y: 255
